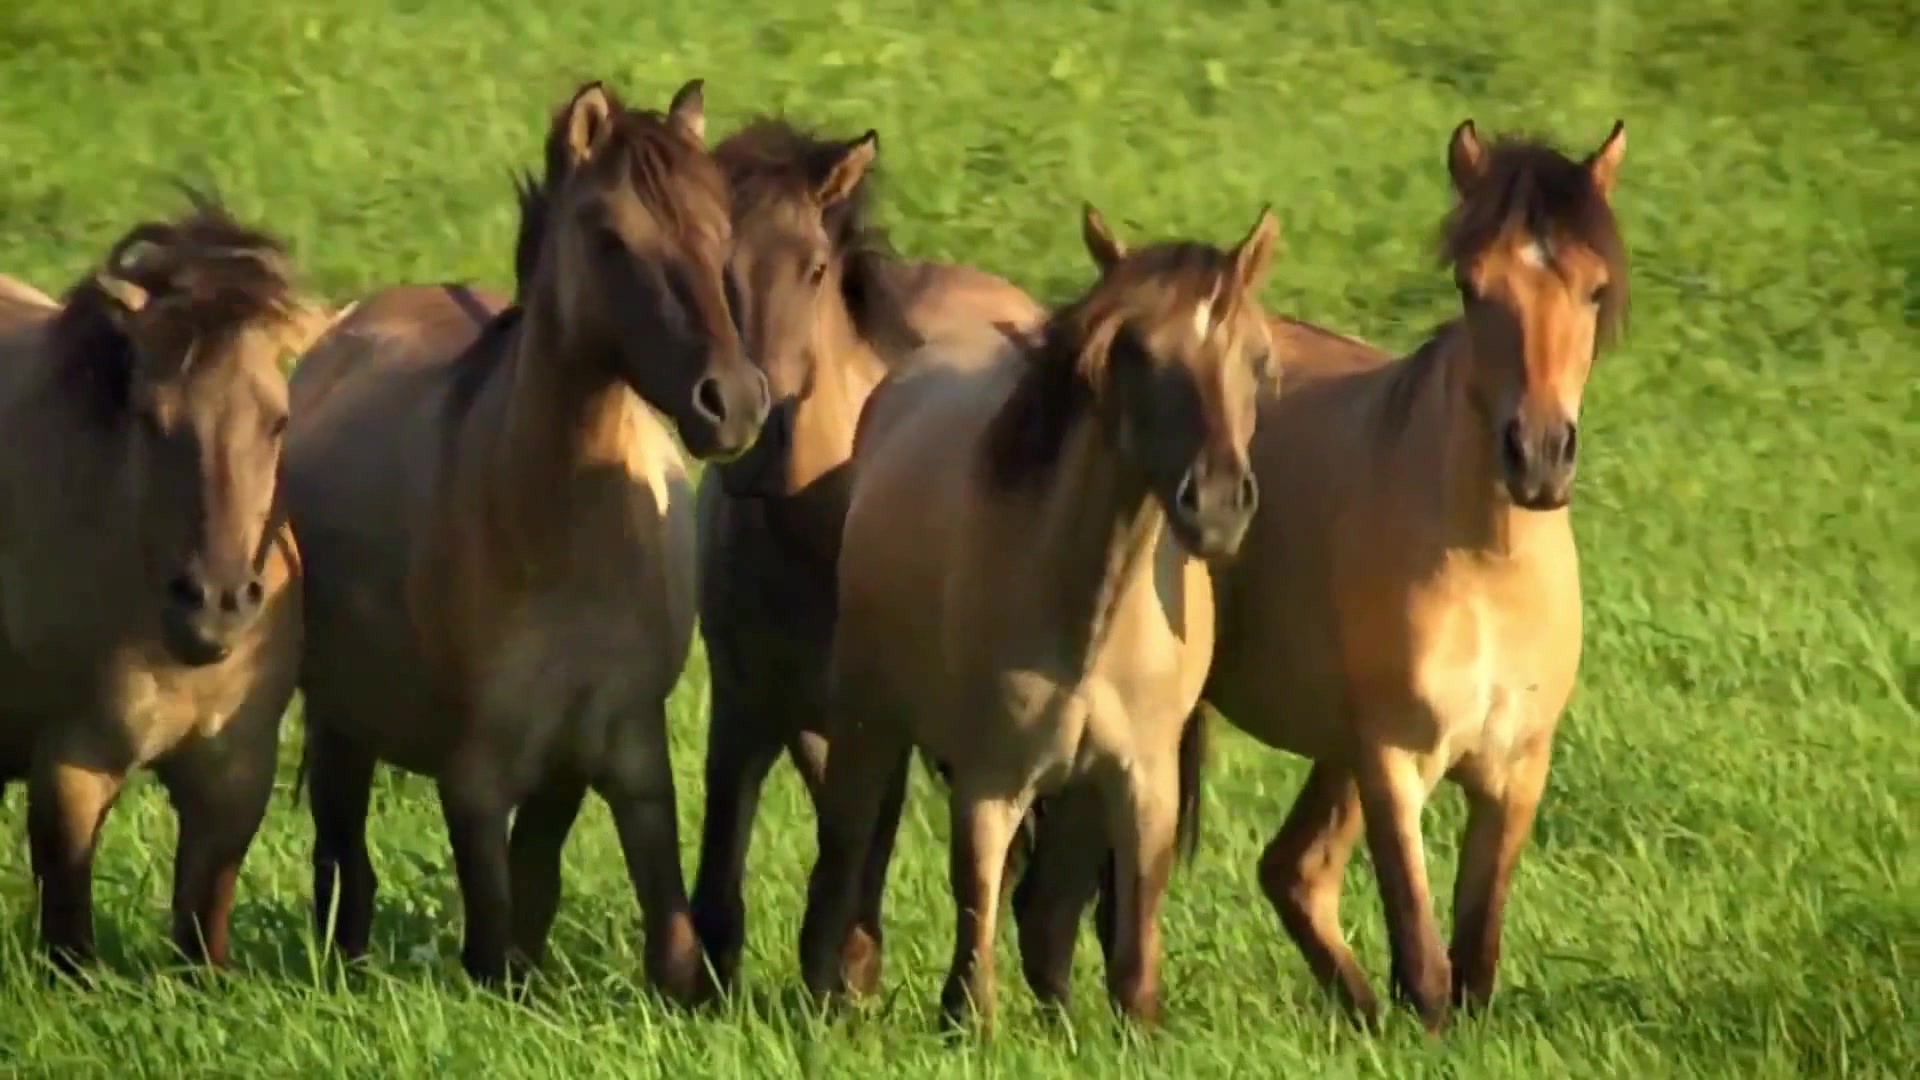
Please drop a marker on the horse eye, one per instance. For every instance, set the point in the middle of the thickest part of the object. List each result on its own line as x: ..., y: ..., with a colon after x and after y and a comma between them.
x: 1598, y: 296
x: 816, y: 273
x: 609, y: 239
x: 278, y: 427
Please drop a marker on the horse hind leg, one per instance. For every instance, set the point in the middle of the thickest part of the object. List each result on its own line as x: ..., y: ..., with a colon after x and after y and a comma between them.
x: 339, y: 789
x: 1499, y: 820
x: 540, y: 829
x: 741, y: 748
x: 1302, y: 871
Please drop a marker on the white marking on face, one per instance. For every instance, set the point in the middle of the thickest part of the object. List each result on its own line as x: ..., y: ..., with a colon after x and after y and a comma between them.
x: 1202, y: 320
x: 1534, y: 254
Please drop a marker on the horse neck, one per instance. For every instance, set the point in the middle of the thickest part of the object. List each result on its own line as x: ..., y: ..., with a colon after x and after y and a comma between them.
x: 1098, y: 531
x: 1477, y: 515
x: 562, y: 417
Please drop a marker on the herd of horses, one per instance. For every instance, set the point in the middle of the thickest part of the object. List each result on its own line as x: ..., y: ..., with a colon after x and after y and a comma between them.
x: 1030, y: 544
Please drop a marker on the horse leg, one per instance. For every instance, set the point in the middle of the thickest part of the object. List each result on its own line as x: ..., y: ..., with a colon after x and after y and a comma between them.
x: 1143, y: 816
x: 982, y: 832
x: 339, y: 788
x: 67, y: 802
x: 476, y: 813
x: 219, y: 789
x: 1499, y: 820
x: 1066, y: 866
x: 540, y: 829
x: 1302, y: 871
x: 639, y: 791
x: 861, y: 953
x: 866, y: 762
x: 740, y: 750
x: 1393, y: 790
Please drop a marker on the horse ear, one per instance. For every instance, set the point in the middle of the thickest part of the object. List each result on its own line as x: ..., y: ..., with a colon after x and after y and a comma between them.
x: 688, y: 111
x: 1466, y: 158
x: 848, y: 169
x: 589, y: 118
x: 1604, y: 164
x: 1255, y: 254
x: 128, y: 299
x: 1106, y: 248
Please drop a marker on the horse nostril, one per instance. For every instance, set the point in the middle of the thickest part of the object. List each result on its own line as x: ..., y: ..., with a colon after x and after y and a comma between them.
x: 186, y: 592
x: 1571, y: 446
x: 1511, y: 451
x: 1186, y: 497
x: 1248, y: 493
x: 708, y: 401
x: 253, y: 593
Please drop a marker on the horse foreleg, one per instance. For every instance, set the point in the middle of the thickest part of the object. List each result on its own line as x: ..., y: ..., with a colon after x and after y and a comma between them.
x: 1143, y: 818
x: 1393, y: 790
x: 476, y: 814
x: 740, y: 751
x: 540, y: 828
x: 339, y: 789
x: 638, y: 787
x: 1499, y: 819
x: 865, y: 764
x: 1302, y: 871
x: 983, y: 828
x: 219, y: 789
x: 67, y: 802
x: 1070, y: 850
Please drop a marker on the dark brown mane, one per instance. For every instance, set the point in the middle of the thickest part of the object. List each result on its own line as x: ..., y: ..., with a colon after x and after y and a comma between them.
x: 207, y: 277
x: 772, y: 160
x: 1527, y: 184
x: 1067, y: 366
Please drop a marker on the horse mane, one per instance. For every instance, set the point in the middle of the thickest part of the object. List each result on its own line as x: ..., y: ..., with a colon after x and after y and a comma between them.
x: 1067, y: 363
x: 770, y: 159
x: 207, y: 276
x: 1527, y: 184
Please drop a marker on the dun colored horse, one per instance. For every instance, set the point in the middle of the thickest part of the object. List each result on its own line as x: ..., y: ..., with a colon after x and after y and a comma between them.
x: 828, y: 309
x: 149, y: 591
x: 1407, y: 605
x: 501, y: 535
x: 1022, y: 594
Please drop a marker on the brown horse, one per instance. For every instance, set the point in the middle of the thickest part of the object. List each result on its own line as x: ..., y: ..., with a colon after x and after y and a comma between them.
x: 1022, y: 593
x: 149, y: 590
x: 1407, y: 605
x: 500, y: 534
x: 828, y: 309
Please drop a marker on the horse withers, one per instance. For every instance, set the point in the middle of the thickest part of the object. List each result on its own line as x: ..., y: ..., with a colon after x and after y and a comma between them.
x: 500, y: 535
x: 1023, y: 592
x: 1407, y: 605
x: 149, y: 586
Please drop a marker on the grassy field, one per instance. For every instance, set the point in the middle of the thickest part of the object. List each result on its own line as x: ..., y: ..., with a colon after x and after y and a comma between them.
x: 1725, y: 878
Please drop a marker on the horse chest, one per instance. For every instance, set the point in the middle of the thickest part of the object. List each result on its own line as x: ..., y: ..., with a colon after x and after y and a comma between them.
x: 154, y: 713
x: 1486, y: 676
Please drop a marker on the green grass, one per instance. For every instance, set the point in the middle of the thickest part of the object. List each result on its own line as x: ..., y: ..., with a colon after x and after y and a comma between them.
x: 1723, y: 880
